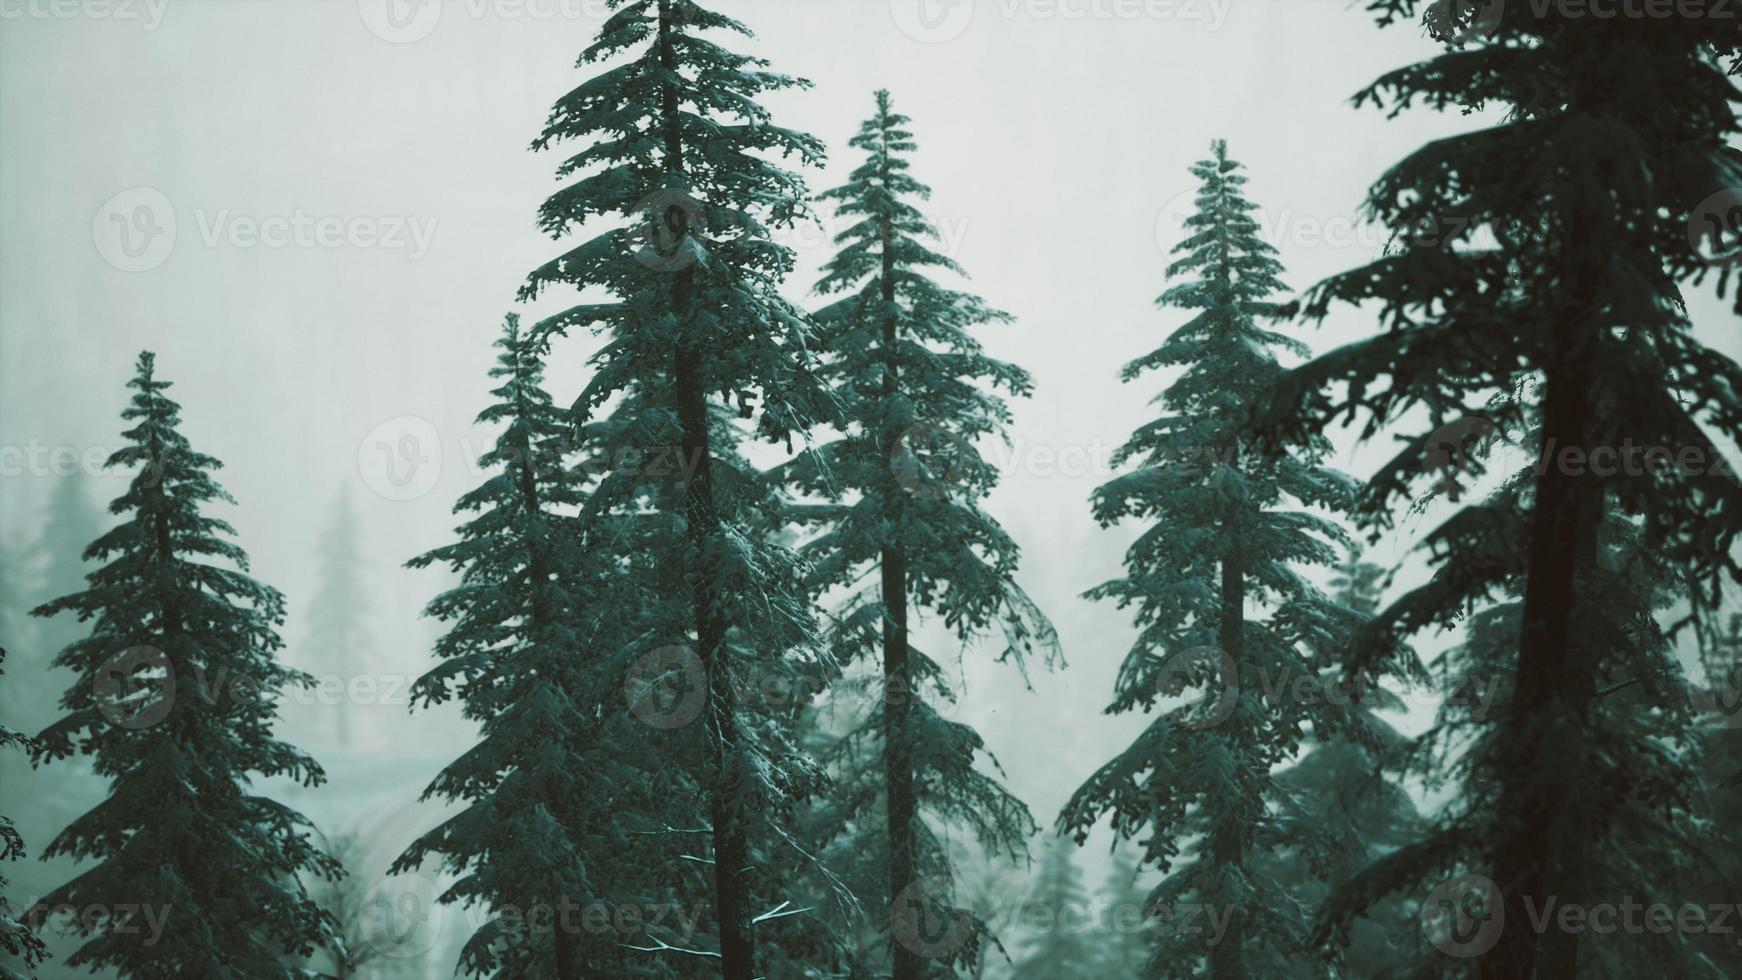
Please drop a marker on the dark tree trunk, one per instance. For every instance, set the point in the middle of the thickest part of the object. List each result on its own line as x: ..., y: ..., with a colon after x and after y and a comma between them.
x: 898, y: 693
x: 898, y: 756
x: 1229, y: 846
x: 1542, y: 853
x: 702, y: 522
x: 731, y: 852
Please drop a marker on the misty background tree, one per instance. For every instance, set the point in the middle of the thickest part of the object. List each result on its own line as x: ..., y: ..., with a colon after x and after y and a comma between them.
x: 174, y: 698
x: 17, y: 938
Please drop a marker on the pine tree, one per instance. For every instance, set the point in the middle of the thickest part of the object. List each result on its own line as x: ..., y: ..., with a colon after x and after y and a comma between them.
x: 1130, y: 928
x: 1058, y: 906
x: 1639, y: 725
x: 1223, y: 538
x: 903, y: 485
x: 1563, y: 274
x: 17, y: 939
x: 174, y: 699
x: 337, y: 643
x: 675, y: 147
x: 564, y: 787
x: 1343, y: 806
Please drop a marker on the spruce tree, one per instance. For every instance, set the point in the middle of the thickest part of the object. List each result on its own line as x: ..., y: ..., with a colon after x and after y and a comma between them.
x: 1345, y: 806
x: 1563, y: 275
x: 902, y: 490
x: 1229, y: 530
x: 336, y: 645
x: 678, y: 181
x: 1058, y: 910
x: 174, y: 698
x: 1639, y: 726
x: 17, y: 939
x: 562, y: 791
x: 1130, y: 933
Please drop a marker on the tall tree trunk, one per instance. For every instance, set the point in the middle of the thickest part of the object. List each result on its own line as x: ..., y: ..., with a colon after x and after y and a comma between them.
x: 702, y: 524
x: 731, y: 852
x: 1227, y: 958
x: 1541, y: 854
x: 898, y: 693
x: 1541, y: 851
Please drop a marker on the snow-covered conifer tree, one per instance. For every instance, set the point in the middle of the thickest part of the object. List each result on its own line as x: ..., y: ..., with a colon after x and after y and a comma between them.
x: 1228, y: 530
x: 175, y: 694
x: 901, y: 509
x: 675, y: 181
x: 562, y: 794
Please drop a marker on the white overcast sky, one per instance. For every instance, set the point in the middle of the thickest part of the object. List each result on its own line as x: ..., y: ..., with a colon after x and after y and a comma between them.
x: 1056, y: 136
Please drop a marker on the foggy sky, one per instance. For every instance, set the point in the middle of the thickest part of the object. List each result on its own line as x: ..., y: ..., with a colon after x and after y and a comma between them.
x: 1056, y: 137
